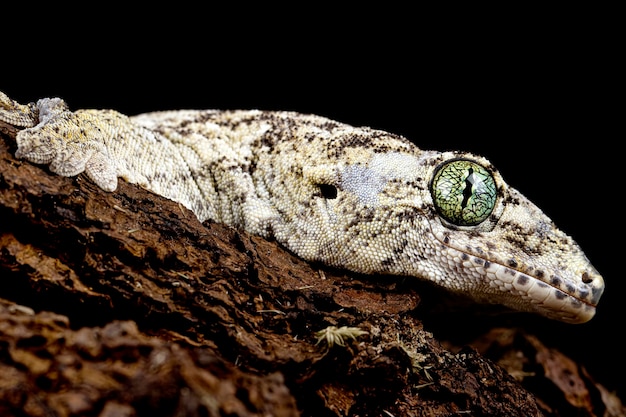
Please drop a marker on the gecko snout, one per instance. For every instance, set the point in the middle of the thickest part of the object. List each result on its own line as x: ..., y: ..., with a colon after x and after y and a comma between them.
x: 594, y: 282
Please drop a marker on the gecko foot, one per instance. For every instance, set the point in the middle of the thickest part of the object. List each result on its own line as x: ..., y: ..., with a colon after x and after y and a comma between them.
x: 16, y: 114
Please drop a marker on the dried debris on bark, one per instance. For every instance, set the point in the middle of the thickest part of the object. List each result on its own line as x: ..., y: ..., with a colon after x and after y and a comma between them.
x: 123, y: 304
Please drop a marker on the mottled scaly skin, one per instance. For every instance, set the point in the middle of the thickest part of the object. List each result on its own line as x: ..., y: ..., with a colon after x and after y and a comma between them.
x: 354, y: 198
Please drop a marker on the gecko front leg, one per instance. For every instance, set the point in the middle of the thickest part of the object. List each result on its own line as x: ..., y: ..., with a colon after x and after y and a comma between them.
x: 71, y: 143
x: 105, y: 145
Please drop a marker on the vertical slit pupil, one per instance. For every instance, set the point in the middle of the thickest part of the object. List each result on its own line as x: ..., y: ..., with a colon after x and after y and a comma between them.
x: 467, y: 192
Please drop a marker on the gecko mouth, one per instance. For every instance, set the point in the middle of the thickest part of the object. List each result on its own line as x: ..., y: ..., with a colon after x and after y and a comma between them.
x: 501, y: 284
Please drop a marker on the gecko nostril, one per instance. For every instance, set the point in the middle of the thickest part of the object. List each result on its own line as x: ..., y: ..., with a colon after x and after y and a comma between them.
x: 587, y: 278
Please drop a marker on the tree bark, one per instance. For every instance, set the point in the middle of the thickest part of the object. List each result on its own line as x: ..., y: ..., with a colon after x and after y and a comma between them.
x: 123, y: 304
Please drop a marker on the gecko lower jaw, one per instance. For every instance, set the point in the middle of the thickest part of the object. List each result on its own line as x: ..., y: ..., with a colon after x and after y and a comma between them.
x: 489, y: 281
x: 527, y: 293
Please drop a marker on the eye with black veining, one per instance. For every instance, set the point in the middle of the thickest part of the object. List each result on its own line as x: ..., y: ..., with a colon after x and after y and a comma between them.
x: 464, y: 192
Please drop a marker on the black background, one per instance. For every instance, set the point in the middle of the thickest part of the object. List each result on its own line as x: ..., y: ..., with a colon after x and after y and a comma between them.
x: 535, y: 91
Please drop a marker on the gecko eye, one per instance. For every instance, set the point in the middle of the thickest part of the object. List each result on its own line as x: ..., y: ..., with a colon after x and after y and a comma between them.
x: 464, y: 192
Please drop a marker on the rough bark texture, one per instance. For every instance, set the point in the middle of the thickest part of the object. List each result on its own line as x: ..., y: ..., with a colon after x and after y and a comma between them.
x: 123, y: 304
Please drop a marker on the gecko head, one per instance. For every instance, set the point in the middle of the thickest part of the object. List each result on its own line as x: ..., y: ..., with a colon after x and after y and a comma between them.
x: 451, y: 219
x: 382, y: 206
x: 504, y: 249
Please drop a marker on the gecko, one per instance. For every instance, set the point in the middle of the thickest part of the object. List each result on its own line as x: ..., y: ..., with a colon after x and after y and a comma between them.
x: 356, y: 198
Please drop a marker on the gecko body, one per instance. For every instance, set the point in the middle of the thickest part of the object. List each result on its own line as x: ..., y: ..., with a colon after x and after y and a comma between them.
x: 356, y: 198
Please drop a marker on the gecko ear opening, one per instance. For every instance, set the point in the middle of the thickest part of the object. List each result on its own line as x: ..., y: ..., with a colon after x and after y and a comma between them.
x: 328, y: 191
x: 325, y: 178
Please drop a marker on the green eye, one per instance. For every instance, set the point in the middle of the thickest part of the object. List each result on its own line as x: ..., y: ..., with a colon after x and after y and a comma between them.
x: 464, y: 192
